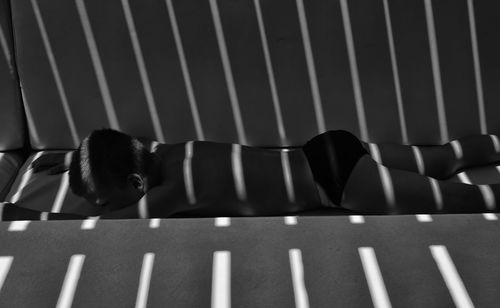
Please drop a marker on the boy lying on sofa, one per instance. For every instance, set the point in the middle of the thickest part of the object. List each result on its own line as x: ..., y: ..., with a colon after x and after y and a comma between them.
x: 122, y: 176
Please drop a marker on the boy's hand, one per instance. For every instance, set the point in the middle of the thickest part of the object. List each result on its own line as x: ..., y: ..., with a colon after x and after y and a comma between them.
x: 55, y: 163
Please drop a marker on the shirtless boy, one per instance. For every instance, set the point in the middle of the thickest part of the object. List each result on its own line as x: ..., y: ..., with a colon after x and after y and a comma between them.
x: 120, y: 174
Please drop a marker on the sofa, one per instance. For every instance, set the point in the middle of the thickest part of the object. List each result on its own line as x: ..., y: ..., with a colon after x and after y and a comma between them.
x: 261, y: 73
x: 266, y: 74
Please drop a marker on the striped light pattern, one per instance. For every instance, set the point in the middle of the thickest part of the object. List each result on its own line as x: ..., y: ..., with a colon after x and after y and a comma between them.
x: 98, y: 67
x: 438, y: 87
x: 318, y: 108
x: 419, y: 159
x: 451, y: 277
x: 5, y: 49
x: 221, y: 280
x: 185, y: 72
x: 237, y: 167
x: 147, y: 269
x: 374, y: 278
x: 477, y: 67
x: 55, y: 71
x: 299, y: 288
x: 305, y: 40
x: 457, y: 149
x: 395, y: 72
x: 61, y: 193
x: 20, y: 225
x: 25, y: 179
x: 270, y: 73
x: 188, y: 174
x: 142, y: 71
x: 436, y: 193
x: 287, y: 175
x: 70, y: 281
x: 385, y: 176
x: 228, y: 73
x: 360, y: 109
x: 5, y: 263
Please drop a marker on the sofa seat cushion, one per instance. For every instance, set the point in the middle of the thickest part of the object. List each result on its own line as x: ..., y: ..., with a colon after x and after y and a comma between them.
x: 10, y: 162
x: 48, y: 193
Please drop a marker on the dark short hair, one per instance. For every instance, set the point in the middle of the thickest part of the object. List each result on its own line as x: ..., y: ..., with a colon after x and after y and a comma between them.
x: 104, y: 159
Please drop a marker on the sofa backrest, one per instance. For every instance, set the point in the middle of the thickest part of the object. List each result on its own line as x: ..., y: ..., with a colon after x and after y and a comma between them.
x: 263, y: 73
x: 11, y: 113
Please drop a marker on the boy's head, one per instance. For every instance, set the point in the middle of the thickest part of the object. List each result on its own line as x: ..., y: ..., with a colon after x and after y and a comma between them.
x: 109, y: 168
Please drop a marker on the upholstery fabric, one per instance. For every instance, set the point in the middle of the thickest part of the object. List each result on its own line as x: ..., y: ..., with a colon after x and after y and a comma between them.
x: 11, y: 112
x: 262, y: 73
x: 10, y: 163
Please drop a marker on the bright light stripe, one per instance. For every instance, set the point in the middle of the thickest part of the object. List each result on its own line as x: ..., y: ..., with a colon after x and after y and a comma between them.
x: 451, y: 276
x: 464, y: 178
x: 488, y: 196
x: 147, y: 269
x: 153, y: 146
x: 385, y: 176
x: 498, y: 168
x: 96, y: 61
x: 419, y: 159
x: 270, y: 73
x: 457, y: 149
x: 55, y: 71
x: 31, y: 123
x: 424, y: 217
x: 291, y: 220
x: 395, y: 73
x: 374, y: 278
x: 2, y: 205
x: 188, y: 173
x: 6, y: 51
x: 496, y: 143
x: 239, y: 178
x: 70, y: 281
x: 375, y: 153
x: 143, y: 208
x: 287, y: 175
x: 221, y: 280
x: 19, y: 225
x: 5, y: 263
x: 142, y: 71
x: 90, y: 223
x: 154, y: 223
x: 443, y: 126
x: 436, y: 192
x: 61, y: 193
x: 490, y: 216
x: 25, y: 179
x: 299, y: 287
x: 354, y: 70
x: 185, y: 71
x: 222, y: 221
x: 228, y: 73
x: 318, y: 108
x: 356, y: 219
x: 477, y: 67
x: 44, y: 216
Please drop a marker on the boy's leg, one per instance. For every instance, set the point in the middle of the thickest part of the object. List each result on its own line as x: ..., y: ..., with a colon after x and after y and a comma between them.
x: 441, y: 161
x: 376, y: 189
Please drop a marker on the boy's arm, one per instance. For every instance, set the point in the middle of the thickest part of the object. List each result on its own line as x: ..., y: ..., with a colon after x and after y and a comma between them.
x: 54, y: 162
x: 11, y: 212
x: 159, y: 202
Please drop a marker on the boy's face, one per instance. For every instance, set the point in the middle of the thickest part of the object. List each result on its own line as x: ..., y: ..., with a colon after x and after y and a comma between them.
x: 114, y: 197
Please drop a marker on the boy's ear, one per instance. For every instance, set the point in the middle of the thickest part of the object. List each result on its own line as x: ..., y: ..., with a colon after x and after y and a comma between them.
x: 136, y: 180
